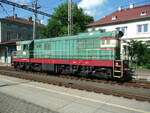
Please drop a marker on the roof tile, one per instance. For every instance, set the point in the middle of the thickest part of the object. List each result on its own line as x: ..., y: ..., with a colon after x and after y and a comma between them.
x: 21, y: 20
x: 124, y: 15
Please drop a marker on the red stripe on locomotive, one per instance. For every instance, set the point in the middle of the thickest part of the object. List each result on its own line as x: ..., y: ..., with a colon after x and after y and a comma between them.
x: 103, y: 63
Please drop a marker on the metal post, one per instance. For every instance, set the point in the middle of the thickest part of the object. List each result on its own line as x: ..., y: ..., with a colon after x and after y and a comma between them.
x: 35, y: 17
x: 34, y: 26
x: 14, y: 11
x: 69, y: 17
x: 6, y: 55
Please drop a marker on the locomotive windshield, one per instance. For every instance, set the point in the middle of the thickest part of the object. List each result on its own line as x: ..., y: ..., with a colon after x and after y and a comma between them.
x: 109, y: 43
x: 18, y: 47
x: 25, y: 47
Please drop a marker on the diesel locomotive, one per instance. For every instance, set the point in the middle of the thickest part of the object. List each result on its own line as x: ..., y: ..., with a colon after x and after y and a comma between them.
x: 86, y: 54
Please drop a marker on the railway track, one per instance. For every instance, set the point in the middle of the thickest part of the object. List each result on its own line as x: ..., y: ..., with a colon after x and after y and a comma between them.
x: 130, y: 84
x: 98, y: 86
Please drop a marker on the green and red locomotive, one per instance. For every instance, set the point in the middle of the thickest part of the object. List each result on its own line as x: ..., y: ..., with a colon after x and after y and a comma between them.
x: 86, y: 54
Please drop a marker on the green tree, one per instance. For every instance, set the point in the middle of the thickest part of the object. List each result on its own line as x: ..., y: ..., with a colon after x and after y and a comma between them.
x: 58, y: 23
x: 139, y: 52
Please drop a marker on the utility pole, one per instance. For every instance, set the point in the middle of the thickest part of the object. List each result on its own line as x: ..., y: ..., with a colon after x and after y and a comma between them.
x: 35, y: 17
x: 13, y: 10
x: 35, y: 6
x: 69, y: 17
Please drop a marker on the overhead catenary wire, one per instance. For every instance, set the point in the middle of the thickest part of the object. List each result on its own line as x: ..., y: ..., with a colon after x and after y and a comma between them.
x: 25, y: 7
x: 4, y: 10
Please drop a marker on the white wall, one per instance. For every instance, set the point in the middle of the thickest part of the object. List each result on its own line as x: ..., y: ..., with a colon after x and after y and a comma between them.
x: 9, y: 60
x: 2, y: 60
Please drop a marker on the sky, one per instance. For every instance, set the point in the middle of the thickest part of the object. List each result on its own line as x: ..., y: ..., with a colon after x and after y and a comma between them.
x: 96, y: 8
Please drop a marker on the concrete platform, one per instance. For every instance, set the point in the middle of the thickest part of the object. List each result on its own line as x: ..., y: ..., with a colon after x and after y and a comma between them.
x: 4, y: 64
x: 66, y: 100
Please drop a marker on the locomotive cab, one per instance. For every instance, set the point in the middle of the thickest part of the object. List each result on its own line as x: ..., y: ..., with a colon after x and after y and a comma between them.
x: 22, y: 54
x: 24, y: 49
x: 112, y: 46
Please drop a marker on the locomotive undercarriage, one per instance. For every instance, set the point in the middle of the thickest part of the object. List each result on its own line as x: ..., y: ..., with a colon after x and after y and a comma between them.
x: 84, y: 71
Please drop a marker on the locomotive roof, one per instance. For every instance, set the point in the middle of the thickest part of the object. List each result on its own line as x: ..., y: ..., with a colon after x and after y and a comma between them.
x: 93, y: 34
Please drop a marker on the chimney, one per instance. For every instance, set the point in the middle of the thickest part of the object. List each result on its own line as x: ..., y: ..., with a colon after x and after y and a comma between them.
x: 15, y: 15
x: 131, y: 5
x: 119, y: 8
x: 30, y: 19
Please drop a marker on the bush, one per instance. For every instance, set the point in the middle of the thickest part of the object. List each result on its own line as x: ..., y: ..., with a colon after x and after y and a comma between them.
x: 147, y: 66
x: 139, y: 52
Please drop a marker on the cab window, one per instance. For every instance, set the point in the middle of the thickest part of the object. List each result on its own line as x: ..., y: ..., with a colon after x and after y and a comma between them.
x: 114, y: 42
x: 18, y: 47
x: 25, y: 47
x: 109, y: 43
x: 103, y: 42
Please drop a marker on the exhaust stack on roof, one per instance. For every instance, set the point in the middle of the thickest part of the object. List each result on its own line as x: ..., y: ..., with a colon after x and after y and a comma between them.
x: 119, y: 8
x: 131, y: 5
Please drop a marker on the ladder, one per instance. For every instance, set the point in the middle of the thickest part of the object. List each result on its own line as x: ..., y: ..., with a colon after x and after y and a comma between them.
x: 118, y: 68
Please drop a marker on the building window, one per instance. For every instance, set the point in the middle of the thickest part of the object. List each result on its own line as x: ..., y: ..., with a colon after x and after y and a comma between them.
x: 8, y: 35
x: 145, y: 27
x: 114, y: 18
x: 139, y: 28
x: 143, y: 13
x: 142, y: 28
x: 123, y: 29
x: 29, y: 37
x: 19, y: 35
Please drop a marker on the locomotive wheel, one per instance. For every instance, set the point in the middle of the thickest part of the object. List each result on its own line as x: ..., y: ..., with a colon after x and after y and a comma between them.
x: 21, y: 65
x: 15, y: 64
x: 27, y: 67
x: 109, y: 74
x: 36, y: 67
x: 39, y: 68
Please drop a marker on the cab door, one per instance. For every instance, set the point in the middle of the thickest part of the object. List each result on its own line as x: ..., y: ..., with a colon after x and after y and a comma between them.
x: 25, y: 52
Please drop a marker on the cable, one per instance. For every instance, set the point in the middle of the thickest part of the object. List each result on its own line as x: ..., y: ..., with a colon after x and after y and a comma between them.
x: 4, y: 10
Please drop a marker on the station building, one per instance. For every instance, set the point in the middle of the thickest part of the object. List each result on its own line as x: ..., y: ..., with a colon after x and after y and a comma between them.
x: 13, y: 29
x: 133, y: 21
